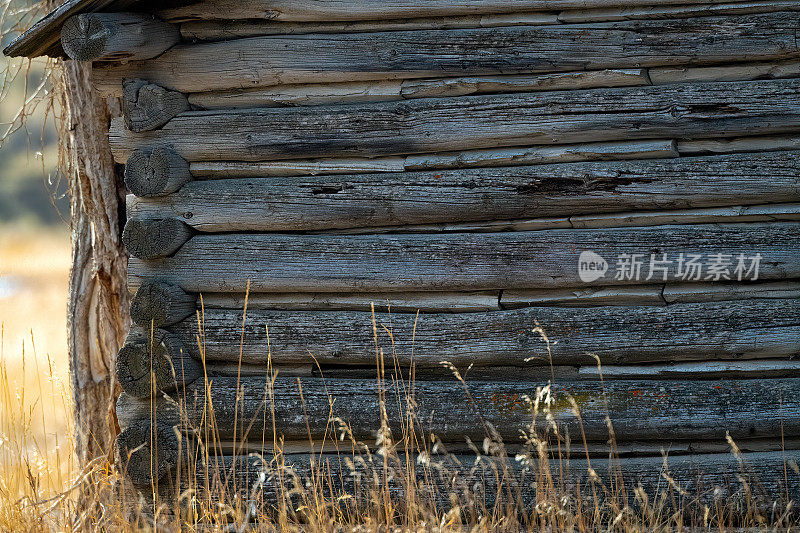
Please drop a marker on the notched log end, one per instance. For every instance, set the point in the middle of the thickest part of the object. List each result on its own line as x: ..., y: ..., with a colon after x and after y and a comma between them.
x: 156, y: 171
x: 149, y: 364
x: 146, y: 452
x: 83, y: 37
x: 153, y: 239
x: 161, y: 304
x: 147, y: 106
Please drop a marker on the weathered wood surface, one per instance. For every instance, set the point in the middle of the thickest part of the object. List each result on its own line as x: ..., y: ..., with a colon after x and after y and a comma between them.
x: 315, y: 11
x: 476, y: 122
x: 515, y: 156
x: 736, y: 72
x: 147, y: 106
x: 343, y: 477
x: 117, y: 37
x: 322, y: 58
x: 436, y: 302
x: 157, y: 305
x: 215, y: 30
x: 458, y: 261
x: 452, y: 196
x: 156, y: 171
x: 382, y: 91
x: 764, y: 143
x: 648, y: 294
x: 153, y: 361
x: 639, y: 409
x: 759, y: 369
x: 696, y: 9
x: 615, y: 334
x: 154, y: 238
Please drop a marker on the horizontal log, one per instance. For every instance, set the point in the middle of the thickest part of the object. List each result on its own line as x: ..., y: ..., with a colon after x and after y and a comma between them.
x: 452, y: 196
x: 638, y: 409
x: 515, y: 156
x: 769, y: 368
x: 433, y: 302
x: 154, y: 238
x: 384, y: 91
x: 215, y: 30
x: 615, y: 334
x: 698, y: 9
x: 327, y: 58
x: 154, y: 362
x: 546, y: 259
x: 116, y: 37
x: 314, y: 11
x: 648, y: 294
x: 696, y: 481
x: 147, y: 106
x: 156, y: 171
x: 743, y: 144
x: 158, y: 305
x: 476, y: 122
x: 738, y: 72
x: 146, y: 452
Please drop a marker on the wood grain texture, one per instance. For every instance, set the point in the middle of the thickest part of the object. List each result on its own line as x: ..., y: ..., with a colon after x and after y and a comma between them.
x: 157, y: 305
x: 660, y: 410
x: 116, y: 37
x: 156, y: 171
x: 452, y: 196
x: 476, y: 122
x: 154, y: 238
x: 455, y: 261
x: 146, y: 106
x: 703, y: 478
x: 696, y: 9
x: 310, y: 11
x: 735, y: 72
x: 324, y: 58
x: 153, y: 361
x: 615, y: 334
x: 759, y: 369
x: 499, y: 157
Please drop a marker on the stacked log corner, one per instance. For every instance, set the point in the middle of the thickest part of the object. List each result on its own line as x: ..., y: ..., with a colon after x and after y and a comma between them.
x: 528, y: 195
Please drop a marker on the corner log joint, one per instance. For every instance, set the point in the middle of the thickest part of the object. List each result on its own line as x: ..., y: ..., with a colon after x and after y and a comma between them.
x: 153, y: 239
x: 160, y: 305
x: 156, y: 171
x: 117, y: 37
x: 147, y: 106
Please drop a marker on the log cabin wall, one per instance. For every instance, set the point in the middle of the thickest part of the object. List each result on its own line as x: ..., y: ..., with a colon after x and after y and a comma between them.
x: 621, y: 174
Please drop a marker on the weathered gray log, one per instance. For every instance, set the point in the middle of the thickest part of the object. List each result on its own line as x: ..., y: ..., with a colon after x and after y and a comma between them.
x: 117, y: 36
x: 155, y: 171
x: 456, y: 261
x: 759, y: 369
x: 737, y: 72
x: 476, y: 122
x: 147, y: 106
x: 157, y: 305
x: 145, y: 452
x: 515, y: 156
x: 742, y: 144
x: 151, y: 239
x: 153, y: 361
x: 649, y: 294
x: 434, y: 302
x: 452, y: 196
x: 388, y: 90
x: 326, y: 58
x: 216, y: 30
x: 615, y: 334
x: 311, y: 11
x: 697, y: 481
x: 661, y: 410
x: 697, y: 9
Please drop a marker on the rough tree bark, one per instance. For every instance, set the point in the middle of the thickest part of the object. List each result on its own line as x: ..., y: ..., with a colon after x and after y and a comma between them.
x: 98, y: 319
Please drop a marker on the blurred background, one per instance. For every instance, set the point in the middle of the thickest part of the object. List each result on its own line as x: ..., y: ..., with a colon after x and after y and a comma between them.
x: 35, y: 444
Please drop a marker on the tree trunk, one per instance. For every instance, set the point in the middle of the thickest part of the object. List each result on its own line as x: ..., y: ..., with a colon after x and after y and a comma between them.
x: 98, y: 318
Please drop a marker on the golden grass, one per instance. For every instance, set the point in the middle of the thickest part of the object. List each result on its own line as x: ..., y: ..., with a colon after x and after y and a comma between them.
x: 41, y: 489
